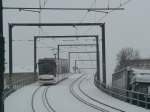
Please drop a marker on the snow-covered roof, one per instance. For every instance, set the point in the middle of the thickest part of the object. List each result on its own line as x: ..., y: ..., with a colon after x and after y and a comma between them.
x: 141, y: 75
x: 140, y: 71
x: 141, y: 78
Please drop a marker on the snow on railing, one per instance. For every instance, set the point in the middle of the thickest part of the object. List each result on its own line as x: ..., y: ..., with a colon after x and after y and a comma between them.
x: 133, y: 97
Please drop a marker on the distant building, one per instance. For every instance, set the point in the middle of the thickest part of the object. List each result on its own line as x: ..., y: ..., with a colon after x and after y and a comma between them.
x: 133, y: 75
x: 141, y: 83
x: 137, y: 63
x: 130, y: 78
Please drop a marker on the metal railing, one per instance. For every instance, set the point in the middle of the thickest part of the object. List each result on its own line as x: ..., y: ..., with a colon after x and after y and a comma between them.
x: 19, y: 80
x: 133, y: 97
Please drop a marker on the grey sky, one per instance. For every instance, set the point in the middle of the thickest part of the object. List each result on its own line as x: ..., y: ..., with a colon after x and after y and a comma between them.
x: 128, y: 28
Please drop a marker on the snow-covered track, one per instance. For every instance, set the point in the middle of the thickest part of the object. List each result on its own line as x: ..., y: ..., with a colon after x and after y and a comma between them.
x: 46, y: 104
x: 81, y: 99
x: 33, y: 95
x: 85, y: 94
x: 44, y: 97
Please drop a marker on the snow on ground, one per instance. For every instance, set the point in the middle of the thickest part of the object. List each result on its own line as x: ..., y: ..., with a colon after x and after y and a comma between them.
x: 89, y: 87
x: 61, y: 99
x: 20, y: 100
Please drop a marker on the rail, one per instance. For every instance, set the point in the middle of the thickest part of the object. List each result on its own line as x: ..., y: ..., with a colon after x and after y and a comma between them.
x: 133, y: 97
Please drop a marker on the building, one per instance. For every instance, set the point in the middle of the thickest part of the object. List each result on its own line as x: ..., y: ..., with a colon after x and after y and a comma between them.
x: 141, y: 81
x: 137, y: 63
x: 130, y: 78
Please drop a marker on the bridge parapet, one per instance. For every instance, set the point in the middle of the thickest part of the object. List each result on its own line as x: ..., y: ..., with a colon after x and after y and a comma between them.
x: 130, y: 96
x: 18, y: 80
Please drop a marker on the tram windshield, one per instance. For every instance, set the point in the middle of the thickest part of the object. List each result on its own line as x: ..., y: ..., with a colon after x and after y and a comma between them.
x: 47, y: 67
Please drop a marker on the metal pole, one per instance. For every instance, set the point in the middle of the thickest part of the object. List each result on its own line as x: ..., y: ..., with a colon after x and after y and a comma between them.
x: 69, y: 60
x: 1, y: 59
x: 75, y: 66
x: 10, y: 49
x: 103, y: 54
x: 47, y: 8
x: 10, y: 56
x: 97, y: 58
x: 85, y: 60
x: 57, y: 24
x: 35, y: 66
x: 58, y: 52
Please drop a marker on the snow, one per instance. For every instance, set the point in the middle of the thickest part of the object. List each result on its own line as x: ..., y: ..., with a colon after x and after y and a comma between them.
x: 91, y: 90
x: 141, y: 78
x: 139, y: 71
x: 141, y: 75
x: 62, y: 100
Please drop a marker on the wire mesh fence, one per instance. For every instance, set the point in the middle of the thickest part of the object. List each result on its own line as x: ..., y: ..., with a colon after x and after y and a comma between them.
x: 17, y: 81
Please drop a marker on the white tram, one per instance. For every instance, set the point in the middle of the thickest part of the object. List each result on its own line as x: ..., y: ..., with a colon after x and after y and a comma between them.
x: 52, y: 70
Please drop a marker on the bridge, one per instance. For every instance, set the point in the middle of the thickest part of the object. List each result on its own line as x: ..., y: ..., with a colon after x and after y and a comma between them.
x: 60, y: 80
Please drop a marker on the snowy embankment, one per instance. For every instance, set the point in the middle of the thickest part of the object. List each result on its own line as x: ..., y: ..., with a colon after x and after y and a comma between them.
x: 62, y: 100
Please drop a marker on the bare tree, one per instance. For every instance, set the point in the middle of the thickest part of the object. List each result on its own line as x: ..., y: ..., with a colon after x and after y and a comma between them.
x: 126, y: 54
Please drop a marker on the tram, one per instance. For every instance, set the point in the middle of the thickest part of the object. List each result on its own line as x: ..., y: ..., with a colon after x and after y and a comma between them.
x: 52, y: 70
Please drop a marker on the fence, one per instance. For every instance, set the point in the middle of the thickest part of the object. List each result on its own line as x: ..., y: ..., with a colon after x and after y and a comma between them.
x: 133, y: 97
x: 19, y: 80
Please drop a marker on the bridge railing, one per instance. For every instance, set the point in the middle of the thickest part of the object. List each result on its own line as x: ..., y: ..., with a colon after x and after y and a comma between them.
x: 18, y: 80
x: 133, y: 97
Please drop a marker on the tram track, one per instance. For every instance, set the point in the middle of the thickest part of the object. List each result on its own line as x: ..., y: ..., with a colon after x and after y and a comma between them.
x: 33, y: 96
x: 93, y: 99
x: 78, y: 97
x: 45, y: 101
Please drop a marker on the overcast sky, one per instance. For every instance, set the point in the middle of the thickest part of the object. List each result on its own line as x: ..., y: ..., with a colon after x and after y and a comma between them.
x: 127, y: 28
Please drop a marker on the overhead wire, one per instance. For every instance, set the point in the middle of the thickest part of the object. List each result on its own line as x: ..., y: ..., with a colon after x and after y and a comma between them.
x: 108, y: 5
x: 95, y: 47
x: 85, y: 15
x: 22, y: 40
x: 40, y: 16
x: 125, y: 3
x: 45, y: 2
x: 76, y: 31
x: 106, y: 14
x: 28, y: 10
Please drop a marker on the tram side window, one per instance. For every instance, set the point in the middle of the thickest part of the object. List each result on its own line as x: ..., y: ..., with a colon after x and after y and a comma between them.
x: 52, y: 68
x: 148, y: 89
x: 43, y: 68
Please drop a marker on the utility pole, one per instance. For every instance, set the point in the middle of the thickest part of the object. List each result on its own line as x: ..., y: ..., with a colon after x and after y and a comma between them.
x: 1, y: 59
x: 35, y: 64
x: 103, y: 53
x: 58, y: 52
x: 75, y: 66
